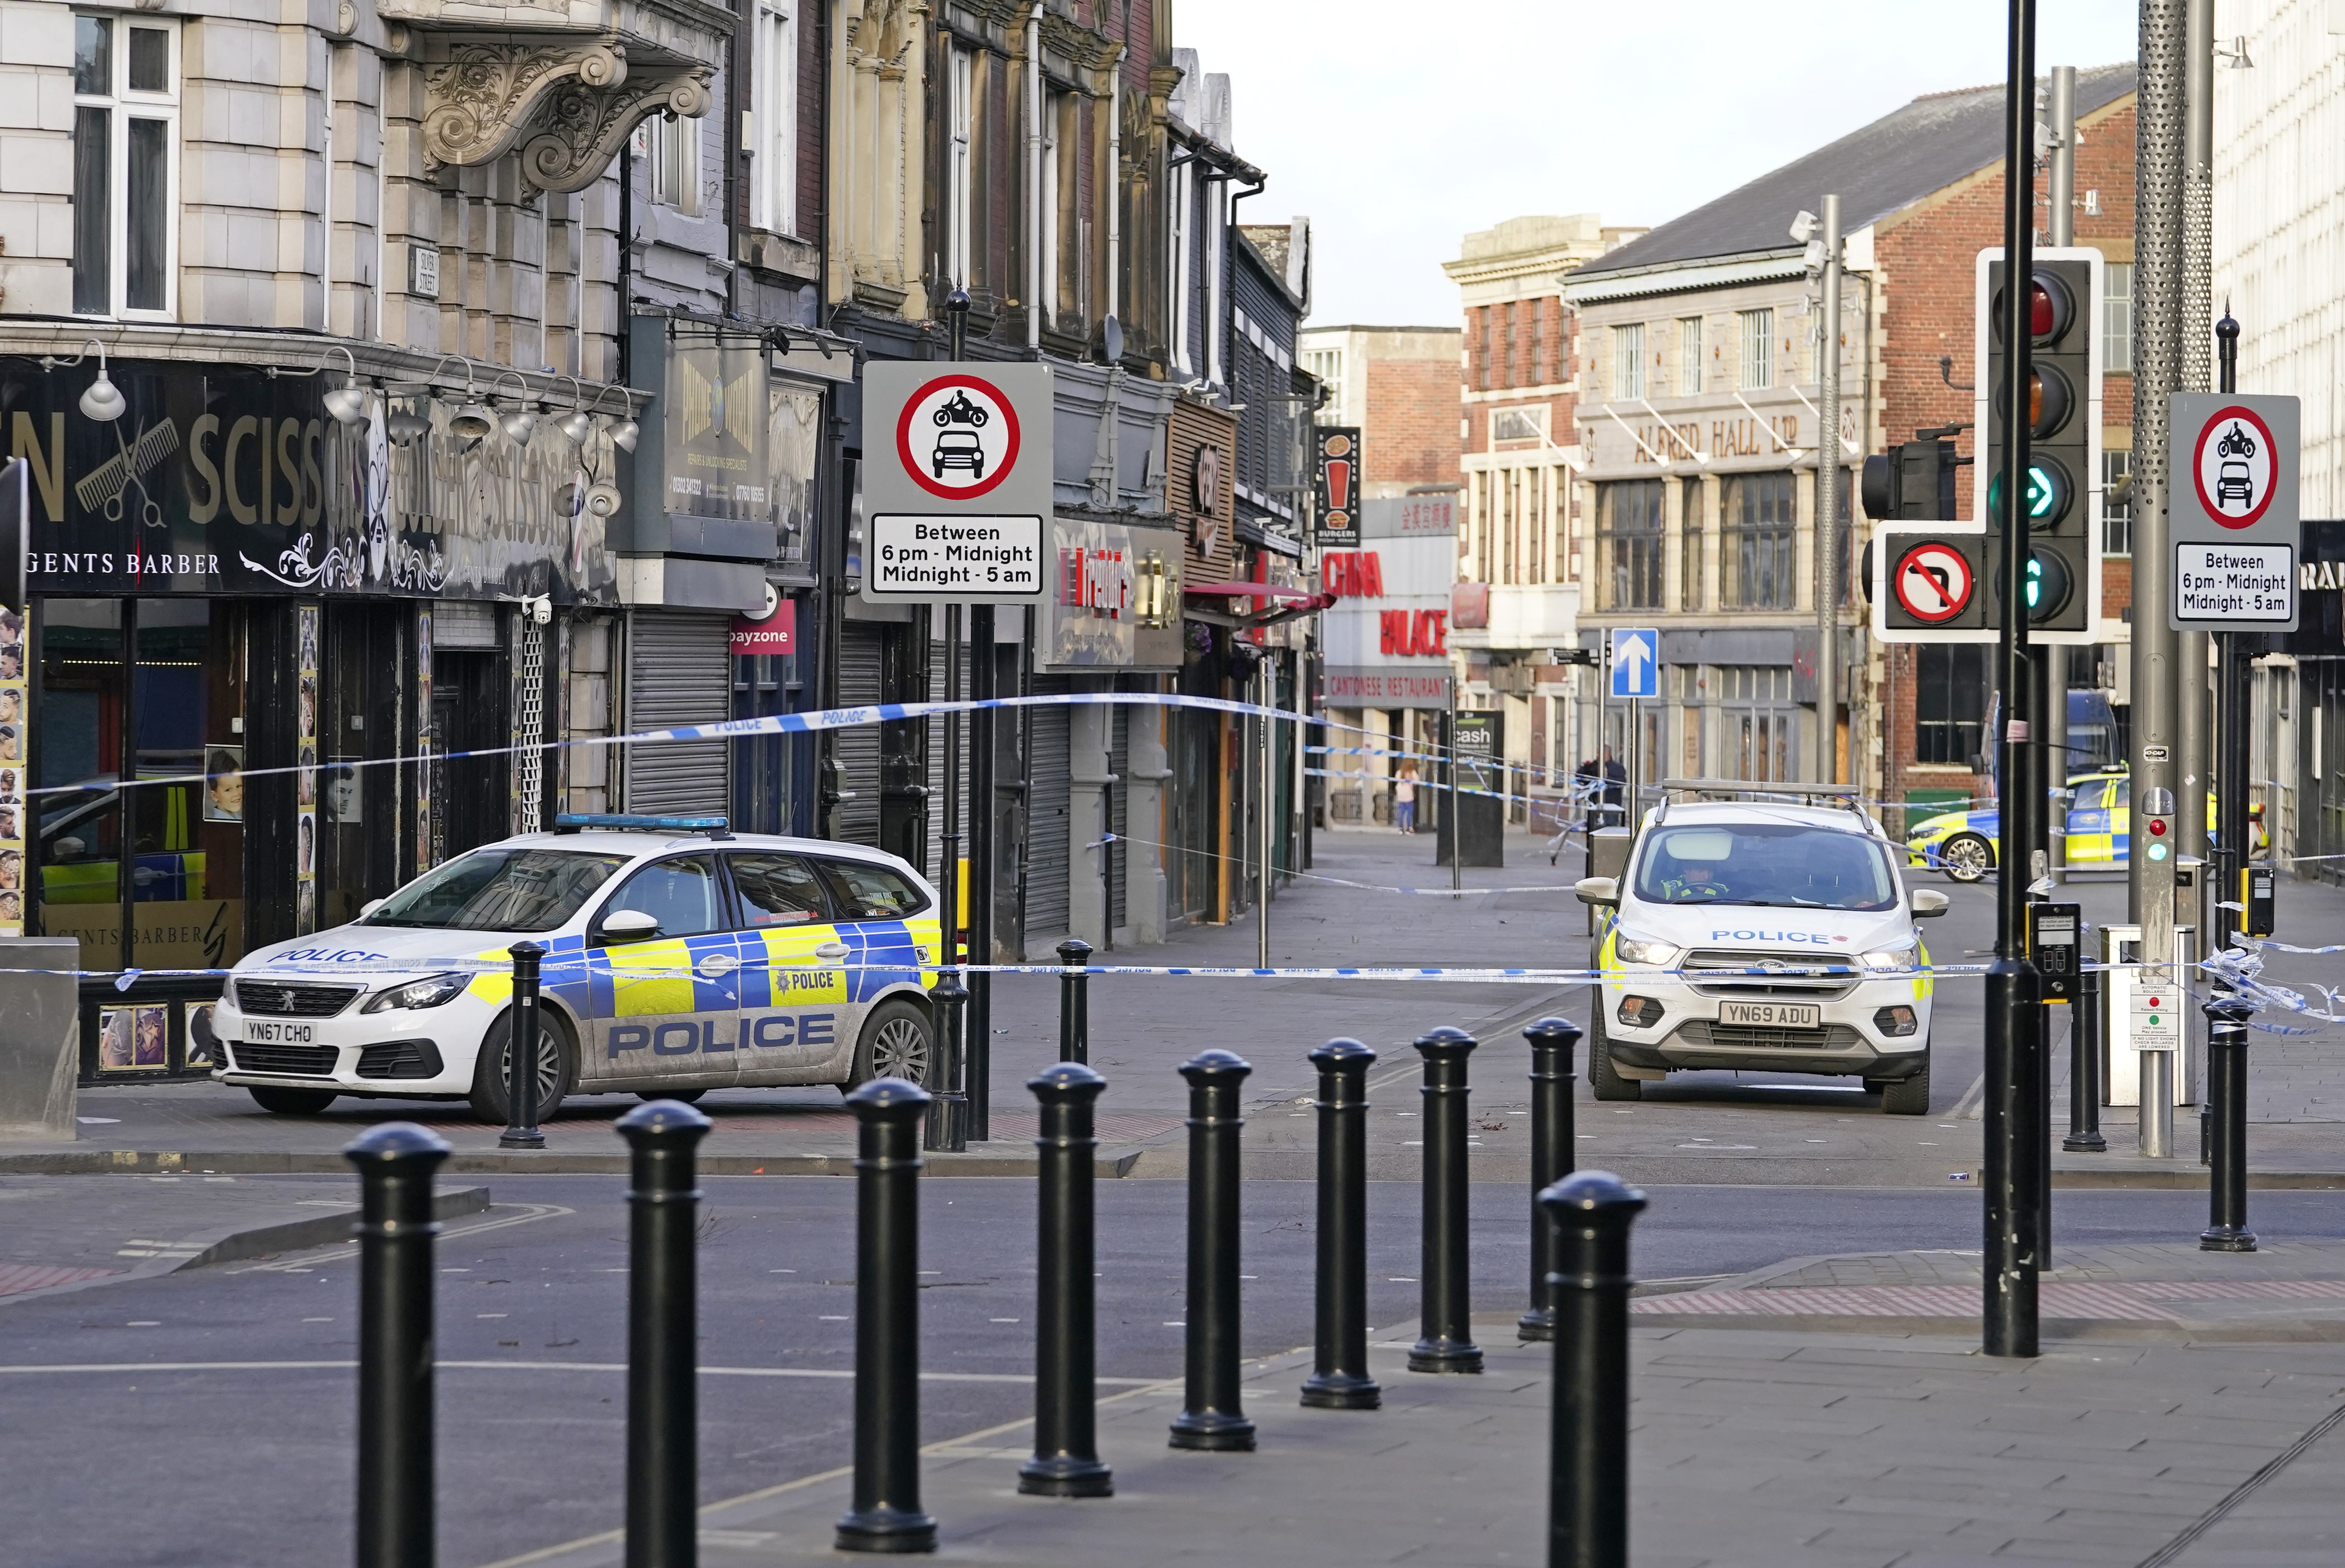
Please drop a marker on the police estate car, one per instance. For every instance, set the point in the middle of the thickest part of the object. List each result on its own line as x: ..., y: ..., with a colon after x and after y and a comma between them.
x: 1762, y: 936
x: 679, y: 959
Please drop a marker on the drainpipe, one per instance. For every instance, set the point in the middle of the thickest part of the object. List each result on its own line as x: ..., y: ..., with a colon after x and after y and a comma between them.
x: 1115, y: 186
x: 1034, y: 179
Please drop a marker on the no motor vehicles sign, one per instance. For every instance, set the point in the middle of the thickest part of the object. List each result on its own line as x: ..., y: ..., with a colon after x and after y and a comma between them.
x: 957, y: 486
x: 2232, y: 503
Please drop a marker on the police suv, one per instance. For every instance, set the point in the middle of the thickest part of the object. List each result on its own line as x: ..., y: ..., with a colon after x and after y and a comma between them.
x: 1762, y: 935
x: 678, y: 959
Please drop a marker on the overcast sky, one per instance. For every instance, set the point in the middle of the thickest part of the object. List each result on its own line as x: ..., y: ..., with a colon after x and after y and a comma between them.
x: 1400, y: 128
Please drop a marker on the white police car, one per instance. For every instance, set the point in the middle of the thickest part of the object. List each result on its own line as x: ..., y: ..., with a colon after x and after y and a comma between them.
x: 679, y: 959
x: 1760, y: 937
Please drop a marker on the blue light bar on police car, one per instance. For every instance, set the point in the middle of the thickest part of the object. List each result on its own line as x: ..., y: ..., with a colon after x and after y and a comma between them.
x: 579, y: 821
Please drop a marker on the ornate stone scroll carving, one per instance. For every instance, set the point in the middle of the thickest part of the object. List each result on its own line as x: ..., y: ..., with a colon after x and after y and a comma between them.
x: 579, y: 128
x: 486, y: 94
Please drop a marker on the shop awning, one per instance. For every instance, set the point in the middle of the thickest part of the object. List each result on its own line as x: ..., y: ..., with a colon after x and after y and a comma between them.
x: 1252, y: 591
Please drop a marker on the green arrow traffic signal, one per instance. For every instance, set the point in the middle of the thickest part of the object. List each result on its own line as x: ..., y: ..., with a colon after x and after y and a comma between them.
x: 2049, y: 494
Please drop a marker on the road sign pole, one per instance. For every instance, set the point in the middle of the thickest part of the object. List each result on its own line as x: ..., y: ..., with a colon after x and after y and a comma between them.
x: 983, y: 876
x: 2013, y: 1019
x: 1828, y: 472
x: 2052, y: 713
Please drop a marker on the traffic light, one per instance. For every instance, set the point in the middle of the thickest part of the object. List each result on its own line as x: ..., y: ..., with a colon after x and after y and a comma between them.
x: 1912, y: 482
x: 2063, y: 414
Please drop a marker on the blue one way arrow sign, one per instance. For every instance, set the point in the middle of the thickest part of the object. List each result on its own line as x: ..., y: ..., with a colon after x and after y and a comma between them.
x: 1636, y: 661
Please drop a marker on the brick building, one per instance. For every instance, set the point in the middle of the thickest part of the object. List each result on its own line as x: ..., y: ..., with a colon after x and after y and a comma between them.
x: 1697, y: 428
x: 1399, y: 386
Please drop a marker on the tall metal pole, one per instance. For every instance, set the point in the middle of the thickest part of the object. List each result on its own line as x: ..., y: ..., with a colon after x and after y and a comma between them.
x: 1828, y: 472
x: 2232, y: 784
x: 2014, y: 1015
x: 1450, y: 824
x: 2193, y: 747
x: 947, y: 1121
x: 2052, y: 711
x: 1265, y: 808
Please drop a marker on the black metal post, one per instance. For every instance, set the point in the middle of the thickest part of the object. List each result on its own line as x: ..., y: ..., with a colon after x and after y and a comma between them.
x: 1447, y: 1342
x: 1074, y: 1002
x: 984, y: 875
x: 1212, y: 1416
x: 885, y: 1515
x: 2227, y: 1093
x: 1552, y: 1040
x: 1588, y: 1457
x: 2014, y: 1144
x: 396, y: 1162
x: 2085, y: 1068
x: 1339, y: 1376
x: 522, y: 1052
x: 947, y: 1121
x: 662, y: 1329
x: 1065, y: 1461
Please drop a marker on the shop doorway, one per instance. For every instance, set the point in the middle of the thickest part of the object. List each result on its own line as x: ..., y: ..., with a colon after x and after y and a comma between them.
x: 360, y: 726
x: 472, y: 796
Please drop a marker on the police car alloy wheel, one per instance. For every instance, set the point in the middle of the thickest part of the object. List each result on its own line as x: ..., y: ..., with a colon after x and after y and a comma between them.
x: 1967, y: 857
x: 897, y: 1043
x: 492, y: 1069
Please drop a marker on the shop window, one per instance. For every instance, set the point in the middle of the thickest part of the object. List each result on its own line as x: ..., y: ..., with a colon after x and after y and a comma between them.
x: 126, y: 165
x: 1628, y: 543
x: 141, y: 733
x: 1755, y: 545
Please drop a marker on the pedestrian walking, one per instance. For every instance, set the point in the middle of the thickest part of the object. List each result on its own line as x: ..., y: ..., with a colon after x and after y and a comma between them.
x: 1404, y: 798
x: 1615, y: 776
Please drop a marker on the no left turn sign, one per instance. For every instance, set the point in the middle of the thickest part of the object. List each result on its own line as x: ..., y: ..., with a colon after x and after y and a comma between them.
x: 1933, y: 583
x: 2235, y: 465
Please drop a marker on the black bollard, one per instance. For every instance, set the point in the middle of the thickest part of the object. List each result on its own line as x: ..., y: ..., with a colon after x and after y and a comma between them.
x: 1446, y: 1344
x: 1065, y: 1461
x: 1552, y: 1157
x: 1212, y: 1416
x: 2085, y: 1068
x: 947, y: 1127
x: 521, y: 1053
x: 396, y: 1163
x: 2227, y: 1101
x: 662, y: 1329
x: 885, y: 1515
x: 1588, y: 1458
x: 1339, y: 1377
x: 1074, y: 1002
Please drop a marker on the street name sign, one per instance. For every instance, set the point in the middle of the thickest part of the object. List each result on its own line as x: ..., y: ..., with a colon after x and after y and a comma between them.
x: 957, y: 484
x: 2232, y: 505
x: 1636, y: 661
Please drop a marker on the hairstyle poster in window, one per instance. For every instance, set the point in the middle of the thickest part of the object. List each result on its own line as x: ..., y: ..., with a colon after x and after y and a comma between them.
x: 115, y: 1029
x: 223, y: 783
x: 203, y: 1041
x: 341, y: 794
x: 150, y: 1036
x: 305, y: 777
x: 12, y: 732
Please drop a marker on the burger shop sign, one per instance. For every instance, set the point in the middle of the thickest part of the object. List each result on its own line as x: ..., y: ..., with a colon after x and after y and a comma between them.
x: 223, y: 480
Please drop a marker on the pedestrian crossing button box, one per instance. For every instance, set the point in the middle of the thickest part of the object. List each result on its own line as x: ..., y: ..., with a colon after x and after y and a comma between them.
x: 2053, y: 942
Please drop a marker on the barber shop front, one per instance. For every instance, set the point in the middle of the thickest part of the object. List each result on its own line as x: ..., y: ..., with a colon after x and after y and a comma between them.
x: 255, y: 633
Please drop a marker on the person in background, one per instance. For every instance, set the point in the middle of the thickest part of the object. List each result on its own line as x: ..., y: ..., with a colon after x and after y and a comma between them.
x: 1615, y: 776
x: 1404, y: 798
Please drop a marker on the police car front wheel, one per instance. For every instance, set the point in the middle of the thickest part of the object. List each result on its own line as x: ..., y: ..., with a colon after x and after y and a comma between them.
x: 556, y: 1069
x: 898, y: 1042
x: 1967, y: 857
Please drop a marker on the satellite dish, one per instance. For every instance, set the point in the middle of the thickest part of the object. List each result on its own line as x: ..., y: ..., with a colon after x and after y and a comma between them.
x: 1111, y: 341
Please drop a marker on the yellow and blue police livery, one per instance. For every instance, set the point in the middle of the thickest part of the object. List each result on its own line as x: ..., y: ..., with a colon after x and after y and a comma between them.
x: 2100, y: 829
x: 678, y: 958
x: 1762, y: 935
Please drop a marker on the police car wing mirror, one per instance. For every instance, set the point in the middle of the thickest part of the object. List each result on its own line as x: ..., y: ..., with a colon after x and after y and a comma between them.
x: 629, y: 926
x: 1929, y: 901
x: 370, y: 907
x: 1598, y: 890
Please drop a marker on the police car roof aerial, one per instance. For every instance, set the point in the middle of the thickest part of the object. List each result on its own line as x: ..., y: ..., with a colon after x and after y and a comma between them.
x: 713, y: 827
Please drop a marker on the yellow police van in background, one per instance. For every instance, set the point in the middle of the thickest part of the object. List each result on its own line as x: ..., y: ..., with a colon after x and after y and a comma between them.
x: 679, y: 959
x: 1759, y: 934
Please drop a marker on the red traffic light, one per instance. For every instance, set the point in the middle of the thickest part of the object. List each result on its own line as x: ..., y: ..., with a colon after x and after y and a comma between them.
x: 2157, y: 829
x: 2051, y: 308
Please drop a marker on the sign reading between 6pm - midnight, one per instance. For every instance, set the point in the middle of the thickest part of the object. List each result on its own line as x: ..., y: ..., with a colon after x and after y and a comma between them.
x: 958, y: 479
x: 2231, y: 487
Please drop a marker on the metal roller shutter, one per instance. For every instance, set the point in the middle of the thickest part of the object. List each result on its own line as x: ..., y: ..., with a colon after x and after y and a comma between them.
x: 858, y: 745
x: 679, y: 671
x: 936, y: 689
x: 1047, y: 911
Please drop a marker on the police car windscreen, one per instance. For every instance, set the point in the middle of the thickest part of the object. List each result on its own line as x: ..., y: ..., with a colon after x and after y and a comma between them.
x: 499, y: 890
x: 1789, y: 864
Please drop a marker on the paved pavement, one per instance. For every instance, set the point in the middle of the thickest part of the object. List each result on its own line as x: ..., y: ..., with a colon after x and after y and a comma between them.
x: 1696, y: 1128
x: 1747, y: 1447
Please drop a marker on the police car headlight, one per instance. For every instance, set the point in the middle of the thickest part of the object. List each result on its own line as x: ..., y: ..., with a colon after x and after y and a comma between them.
x: 430, y: 992
x: 1889, y: 960
x: 1638, y: 950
